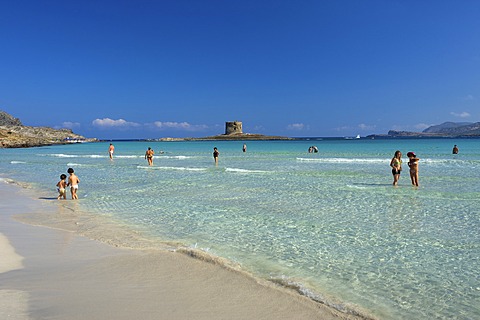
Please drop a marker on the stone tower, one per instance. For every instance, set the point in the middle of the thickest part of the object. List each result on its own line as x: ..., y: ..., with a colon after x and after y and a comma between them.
x: 233, y: 127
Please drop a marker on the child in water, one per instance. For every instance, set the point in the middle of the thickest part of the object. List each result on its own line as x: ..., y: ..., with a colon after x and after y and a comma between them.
x: 413, y: 165
x: 73, y: 182
x: 61, y: 187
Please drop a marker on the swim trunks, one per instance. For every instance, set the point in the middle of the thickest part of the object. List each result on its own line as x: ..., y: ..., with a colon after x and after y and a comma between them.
x: 61, y: 190
x: 75, y: 186
x: 395, y: 171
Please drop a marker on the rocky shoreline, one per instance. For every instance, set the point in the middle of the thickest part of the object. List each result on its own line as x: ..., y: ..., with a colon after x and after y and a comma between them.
x: 26, y: 137
x: 444, y: 130
x: 13, y: 134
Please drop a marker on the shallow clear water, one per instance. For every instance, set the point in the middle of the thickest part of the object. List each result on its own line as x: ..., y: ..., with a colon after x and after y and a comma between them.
x: 330, y: 221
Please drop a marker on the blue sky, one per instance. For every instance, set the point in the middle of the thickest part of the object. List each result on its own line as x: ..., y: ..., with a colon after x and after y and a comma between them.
x: 149, y: 69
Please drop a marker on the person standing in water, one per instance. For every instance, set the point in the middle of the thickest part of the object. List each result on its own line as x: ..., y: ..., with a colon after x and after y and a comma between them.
x: 110, y: 151
x: 149, y: 156
x: 61, y: 187
x: 215, y: 155
x: 413, y: 165
x: 396, y: 165
x: 455, y: 149
x: 244, y: 149
x: 73, y: 182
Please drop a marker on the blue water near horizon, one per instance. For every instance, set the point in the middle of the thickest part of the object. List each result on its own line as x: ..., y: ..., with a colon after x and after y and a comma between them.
x: 330, y: 221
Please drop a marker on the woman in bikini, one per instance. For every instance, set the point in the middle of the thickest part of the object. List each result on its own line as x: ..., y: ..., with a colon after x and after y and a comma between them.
x: 149, y: 156
x: 413, y: 165
x: 396, y: 165
x: 215, y: 155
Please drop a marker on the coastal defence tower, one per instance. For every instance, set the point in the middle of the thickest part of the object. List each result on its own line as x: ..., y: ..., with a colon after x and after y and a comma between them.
x: 233, y: 127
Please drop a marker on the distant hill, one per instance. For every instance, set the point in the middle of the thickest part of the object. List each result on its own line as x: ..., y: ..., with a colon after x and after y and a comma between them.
x: 446, y: 129
x: 456, y: 129
x: 440, y: 128
x: 13, y: 134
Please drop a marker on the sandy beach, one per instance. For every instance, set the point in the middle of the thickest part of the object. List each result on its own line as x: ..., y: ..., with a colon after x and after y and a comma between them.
x: 48, y: 273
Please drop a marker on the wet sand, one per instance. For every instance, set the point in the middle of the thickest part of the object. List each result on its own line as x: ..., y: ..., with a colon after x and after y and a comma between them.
x: 48, y: 273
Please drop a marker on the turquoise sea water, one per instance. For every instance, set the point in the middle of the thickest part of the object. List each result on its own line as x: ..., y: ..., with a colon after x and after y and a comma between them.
x: 329, y: 222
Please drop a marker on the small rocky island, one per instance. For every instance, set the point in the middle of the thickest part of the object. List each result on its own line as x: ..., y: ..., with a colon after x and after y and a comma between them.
x: 13, y: 134
x: 233, y: 131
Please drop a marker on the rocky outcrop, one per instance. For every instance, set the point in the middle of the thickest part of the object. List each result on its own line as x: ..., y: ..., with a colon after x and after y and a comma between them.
x: 15, y: 135
x: 394, y: 133
x: 445, y: 126
x: 8, y: 120
x: 236, y: 136
x: 444, y: 130
x: 233, y: 131
x: 456, y: 129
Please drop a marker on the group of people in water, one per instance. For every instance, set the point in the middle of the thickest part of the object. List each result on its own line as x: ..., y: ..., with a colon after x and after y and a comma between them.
x: 395, y: 164
x: 72, y: 182
x: 149, y: 154
x: 313, y: 149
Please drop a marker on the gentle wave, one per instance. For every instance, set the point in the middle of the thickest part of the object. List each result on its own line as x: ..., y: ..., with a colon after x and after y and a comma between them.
x: 17, y: 162
x: 127, y: 157
x: 93, y: 156
x: 245, y: 170
x: 59, y: 155
x: 343, y: 160
x: 172, y: 168
x: 450, y: 161
x: 62, y: 155
x: 71, y: 164
x: 302, y: 290
x: 378, y: 160
x: 175, y: 157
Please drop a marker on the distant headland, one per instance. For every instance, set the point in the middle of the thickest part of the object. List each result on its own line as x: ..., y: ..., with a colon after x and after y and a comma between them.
x: 13, y: 134
x: 444, y: 130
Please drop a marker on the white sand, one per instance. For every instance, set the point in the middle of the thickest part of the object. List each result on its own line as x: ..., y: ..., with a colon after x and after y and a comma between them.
x: 10, y: 259
x: 66, y: 276
x: 13, y: 303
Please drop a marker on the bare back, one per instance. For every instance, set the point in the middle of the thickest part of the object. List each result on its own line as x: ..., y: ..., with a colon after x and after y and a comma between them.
x: 73, y: 180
